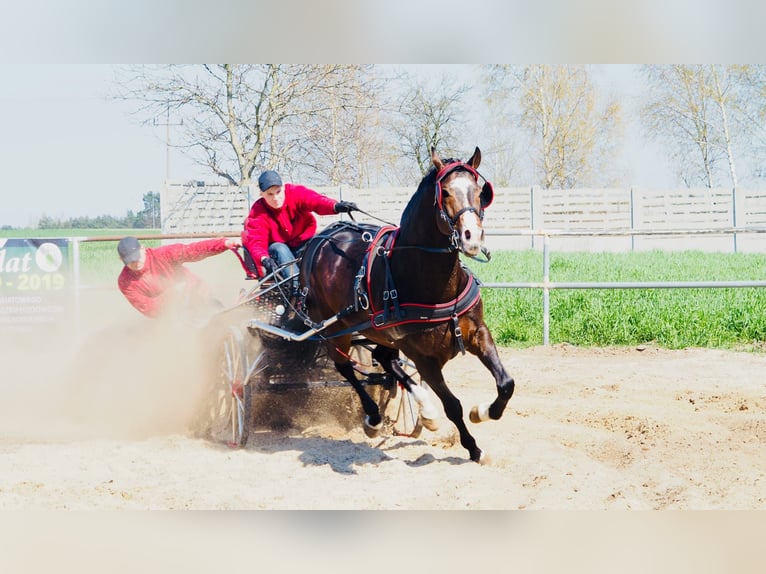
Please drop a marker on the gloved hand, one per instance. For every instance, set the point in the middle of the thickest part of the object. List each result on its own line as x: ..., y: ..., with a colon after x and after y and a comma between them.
x: 269, y: 265
x: 345, y: 207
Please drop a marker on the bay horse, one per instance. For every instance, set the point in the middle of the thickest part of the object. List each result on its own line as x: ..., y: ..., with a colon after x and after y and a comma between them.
x: 406, y: 290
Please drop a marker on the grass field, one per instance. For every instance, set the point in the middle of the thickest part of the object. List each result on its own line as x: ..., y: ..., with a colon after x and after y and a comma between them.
x: 98, y: 259
x: 670, y: 318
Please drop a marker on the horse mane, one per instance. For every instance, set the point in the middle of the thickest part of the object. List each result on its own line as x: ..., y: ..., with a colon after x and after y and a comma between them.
x: 427, y: 183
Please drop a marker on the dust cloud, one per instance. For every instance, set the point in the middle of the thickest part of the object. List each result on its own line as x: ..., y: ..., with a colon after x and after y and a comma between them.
x: 124, y: 376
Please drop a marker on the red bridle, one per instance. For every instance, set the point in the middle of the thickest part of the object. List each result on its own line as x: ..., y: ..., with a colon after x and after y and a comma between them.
x: 487, y: 191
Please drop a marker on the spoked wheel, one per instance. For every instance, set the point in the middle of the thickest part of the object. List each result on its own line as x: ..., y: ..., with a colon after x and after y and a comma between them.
x: 406, y: 419
x: 400, y: 411
x: 230, y: 404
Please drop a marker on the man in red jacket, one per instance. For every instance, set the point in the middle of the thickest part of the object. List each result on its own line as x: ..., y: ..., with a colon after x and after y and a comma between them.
x: 155, y: 281
x: 281, y: 221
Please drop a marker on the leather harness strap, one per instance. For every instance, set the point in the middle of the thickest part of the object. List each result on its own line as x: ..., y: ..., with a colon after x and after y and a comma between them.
x: 393, y: 312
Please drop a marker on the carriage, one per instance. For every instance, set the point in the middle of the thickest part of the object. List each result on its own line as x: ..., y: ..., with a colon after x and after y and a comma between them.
x: 384, y: 307
x: 260, y: 350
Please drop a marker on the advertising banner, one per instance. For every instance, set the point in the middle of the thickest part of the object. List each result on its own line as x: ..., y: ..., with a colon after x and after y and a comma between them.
x: 36, y: 291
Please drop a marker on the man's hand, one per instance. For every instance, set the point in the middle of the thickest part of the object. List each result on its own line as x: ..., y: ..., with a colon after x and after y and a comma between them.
x: 269, y: 265
x: 345, y: 207
x: 233, y: 243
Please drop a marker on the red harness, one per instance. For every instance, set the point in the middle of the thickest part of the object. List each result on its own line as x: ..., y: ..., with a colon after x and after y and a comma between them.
x: 394, y: 313
x: 487, y: 196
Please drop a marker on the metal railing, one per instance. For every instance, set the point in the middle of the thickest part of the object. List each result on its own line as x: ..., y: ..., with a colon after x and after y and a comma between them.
x: 546, y: 284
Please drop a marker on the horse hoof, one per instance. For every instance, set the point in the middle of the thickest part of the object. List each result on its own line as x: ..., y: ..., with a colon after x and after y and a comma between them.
x: 430, y: 424
x: 478, y: 456
x: 485, y: 460
x: 478, y: 415
x: 371, y: 430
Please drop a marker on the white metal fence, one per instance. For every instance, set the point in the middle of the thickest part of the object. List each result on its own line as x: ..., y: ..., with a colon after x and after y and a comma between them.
x: 548, y: 239
x: 546, y: 284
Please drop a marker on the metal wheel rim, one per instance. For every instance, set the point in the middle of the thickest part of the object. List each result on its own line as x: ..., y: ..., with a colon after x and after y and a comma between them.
x: 231, y: 401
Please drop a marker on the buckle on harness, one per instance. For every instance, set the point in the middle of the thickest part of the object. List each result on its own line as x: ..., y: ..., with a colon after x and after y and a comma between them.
x: 458, y: 334
x: 390, y: 294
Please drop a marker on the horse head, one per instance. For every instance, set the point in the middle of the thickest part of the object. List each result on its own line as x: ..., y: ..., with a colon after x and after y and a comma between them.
x: 461, y: 195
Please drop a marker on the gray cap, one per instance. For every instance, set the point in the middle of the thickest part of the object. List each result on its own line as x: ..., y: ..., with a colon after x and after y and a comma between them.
x: 129, y: 249
x: 269, y: 179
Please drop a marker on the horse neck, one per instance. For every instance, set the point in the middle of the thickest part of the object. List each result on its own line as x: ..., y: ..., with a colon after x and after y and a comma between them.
x: 418, y: 224
x: 418, y: 234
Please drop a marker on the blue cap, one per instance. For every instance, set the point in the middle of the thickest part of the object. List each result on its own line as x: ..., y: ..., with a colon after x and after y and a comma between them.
x: 269, y: 179
x: 129, y: 249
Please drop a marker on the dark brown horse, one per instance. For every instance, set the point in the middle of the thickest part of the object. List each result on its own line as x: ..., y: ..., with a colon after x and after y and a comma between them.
x: 406, y: 290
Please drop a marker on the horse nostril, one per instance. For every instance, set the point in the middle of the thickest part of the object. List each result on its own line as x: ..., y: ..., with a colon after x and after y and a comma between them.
x: 467, y: 234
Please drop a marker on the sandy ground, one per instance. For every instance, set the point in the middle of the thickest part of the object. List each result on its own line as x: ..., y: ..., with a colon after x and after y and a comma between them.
x: 587, y: 429
x: 100, y: 423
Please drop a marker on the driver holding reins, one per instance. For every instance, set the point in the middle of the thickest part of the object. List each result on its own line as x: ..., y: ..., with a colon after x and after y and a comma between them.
x: 281, y: 221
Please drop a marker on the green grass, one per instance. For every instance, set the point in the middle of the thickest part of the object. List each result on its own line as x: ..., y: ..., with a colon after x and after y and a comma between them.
x: 670, y: 318
x: 98, y: 259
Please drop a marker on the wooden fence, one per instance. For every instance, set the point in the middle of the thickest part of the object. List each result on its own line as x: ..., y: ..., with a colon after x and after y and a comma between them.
x: 199, y: 207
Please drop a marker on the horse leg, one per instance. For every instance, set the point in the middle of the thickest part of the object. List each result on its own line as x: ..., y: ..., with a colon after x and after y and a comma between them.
x: 389, y: 360
x: 373, y: 422
x: 431, y: 372
x: 484, y: 348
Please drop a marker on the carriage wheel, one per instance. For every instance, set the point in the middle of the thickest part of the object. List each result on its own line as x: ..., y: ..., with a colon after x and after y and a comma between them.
x: 230, y: 405
x: 407, y: 421
x: 400, y: 411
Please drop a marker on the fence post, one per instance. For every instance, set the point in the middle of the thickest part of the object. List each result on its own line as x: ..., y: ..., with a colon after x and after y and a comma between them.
x: 76, y: 285
x: 734, y: 216
x: 532, y: 213
x: 536, y: 210
x: 632, y: 223
x: 546, y: 292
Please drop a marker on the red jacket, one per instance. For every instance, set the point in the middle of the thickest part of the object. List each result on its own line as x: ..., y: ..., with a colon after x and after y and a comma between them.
x: 293, y: 223
x: 156, y: 286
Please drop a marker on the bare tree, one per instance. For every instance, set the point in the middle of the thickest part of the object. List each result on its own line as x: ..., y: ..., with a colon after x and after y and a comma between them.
x: 502, y: 147
x: 426, y: 115
x: 343, y: 144
x: 239, y: 119
x: 571, y: 137
x: 755, y: 92
x: 702, y: 112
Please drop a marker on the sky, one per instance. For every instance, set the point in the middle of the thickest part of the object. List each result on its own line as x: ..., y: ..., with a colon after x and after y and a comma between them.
x: 67, y: 149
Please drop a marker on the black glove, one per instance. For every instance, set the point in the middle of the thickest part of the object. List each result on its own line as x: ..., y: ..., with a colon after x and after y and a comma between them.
x: 269, y: 265
x: 345, y: 207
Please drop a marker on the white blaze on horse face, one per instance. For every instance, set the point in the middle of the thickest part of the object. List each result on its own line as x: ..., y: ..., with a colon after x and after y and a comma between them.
x: 469, y: 225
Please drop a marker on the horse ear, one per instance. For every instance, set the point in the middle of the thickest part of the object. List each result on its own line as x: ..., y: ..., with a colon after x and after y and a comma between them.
x: 475, y: 158
x: 436, y: 160
x: 487, y: 195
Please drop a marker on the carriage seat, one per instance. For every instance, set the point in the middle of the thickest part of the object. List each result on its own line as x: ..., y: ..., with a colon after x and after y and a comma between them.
x: 250, y: 267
